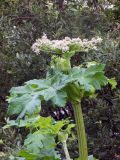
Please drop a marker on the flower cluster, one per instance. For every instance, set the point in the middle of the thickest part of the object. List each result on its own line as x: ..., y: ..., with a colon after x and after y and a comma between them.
x: 92, y: 43
x: 63, y: 45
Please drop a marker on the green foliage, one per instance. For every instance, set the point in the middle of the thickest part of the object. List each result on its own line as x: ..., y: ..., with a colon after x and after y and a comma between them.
x: 40, y: 142
x: 30, y: 103
x: 28, y: 98
x: 113, y: 83
x: 27, y: 122
x: 48, y: 125
x: 34, y: 143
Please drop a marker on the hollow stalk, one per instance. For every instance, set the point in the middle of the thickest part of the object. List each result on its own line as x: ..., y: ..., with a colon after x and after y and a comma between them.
x: 82, y: 141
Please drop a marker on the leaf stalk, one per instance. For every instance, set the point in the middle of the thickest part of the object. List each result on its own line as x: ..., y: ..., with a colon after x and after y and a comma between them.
x: 66, y: 150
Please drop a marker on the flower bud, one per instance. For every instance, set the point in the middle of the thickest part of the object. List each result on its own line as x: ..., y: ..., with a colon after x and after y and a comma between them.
x: 63, y: 64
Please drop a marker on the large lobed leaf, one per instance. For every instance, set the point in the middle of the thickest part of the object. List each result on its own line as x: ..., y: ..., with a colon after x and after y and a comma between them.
x: 27, y: 98
x: 41, y: 144
x: 91, y: 78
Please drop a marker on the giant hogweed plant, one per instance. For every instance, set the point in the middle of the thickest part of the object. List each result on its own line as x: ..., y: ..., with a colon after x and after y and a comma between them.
x: 62, y: 83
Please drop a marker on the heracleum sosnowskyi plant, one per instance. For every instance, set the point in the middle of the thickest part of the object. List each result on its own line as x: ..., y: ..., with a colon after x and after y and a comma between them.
x: 62, y: 83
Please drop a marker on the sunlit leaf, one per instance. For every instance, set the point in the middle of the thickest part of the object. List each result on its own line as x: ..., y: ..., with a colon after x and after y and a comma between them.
x: 113, y: 82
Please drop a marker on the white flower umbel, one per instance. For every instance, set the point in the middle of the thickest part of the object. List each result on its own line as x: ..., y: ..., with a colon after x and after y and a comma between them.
x: 65, y: 45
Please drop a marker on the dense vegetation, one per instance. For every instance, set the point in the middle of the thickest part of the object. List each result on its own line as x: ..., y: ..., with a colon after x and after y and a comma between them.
x: 24, y: 21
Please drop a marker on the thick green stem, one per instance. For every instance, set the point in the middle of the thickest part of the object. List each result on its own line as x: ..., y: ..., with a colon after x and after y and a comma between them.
x: 82, y: 142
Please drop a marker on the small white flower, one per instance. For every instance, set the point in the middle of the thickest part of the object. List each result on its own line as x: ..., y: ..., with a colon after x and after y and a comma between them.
x: 67, y: 39
x: 94, y: 47
x: 65, y: 49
